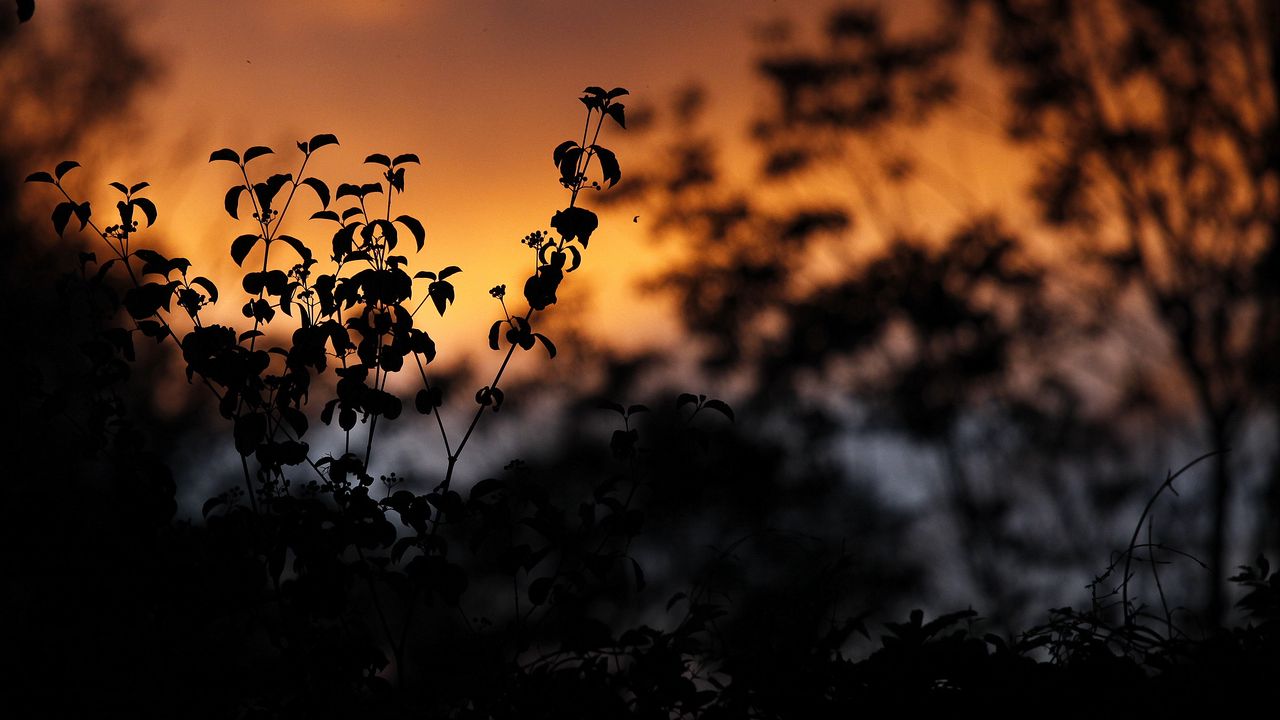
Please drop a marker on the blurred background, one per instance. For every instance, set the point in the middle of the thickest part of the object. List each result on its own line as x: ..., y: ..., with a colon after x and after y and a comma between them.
x: 974, y: 274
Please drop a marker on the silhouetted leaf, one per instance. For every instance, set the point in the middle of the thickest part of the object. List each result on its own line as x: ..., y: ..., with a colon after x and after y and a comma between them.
x: 232, y: 201
x: 575, y: 222
x: 255, y: 152
x: 415, y: 227
x: 639, y: 573
x: 43, y: 177
x: 608, y: 165
x: 569, y: 164
x: 322, y: 190
x: 720, y: 407
x: 320, y: 141
x: 326, y: 215
x: 83, y: 212
x: 212, y: 503
x: 26, y: 8
x: 616, y: 92
x: 147, y: 207
x: 634, y: 409
x: 611, y: 405
x: 379, y: 159
x: 406, y: 158
x: 119, y: 186
x: 62, y: 215
x: 539, y: 590
x: 139, y: 187
x: 65, y: 167
x: 546, y: 342
x: 208, y: 286
x: 685, y: 399
x: 241, y: 246
x: 449, y: 271
x: 225, y: 154
x: 441, y: 294
x: 493, y: 334
x: 152, y: 262
x: 558, y: 154
x: 617, y: 111
x: 296, y: 244
x: 577, y: 258
x: 347, y: 190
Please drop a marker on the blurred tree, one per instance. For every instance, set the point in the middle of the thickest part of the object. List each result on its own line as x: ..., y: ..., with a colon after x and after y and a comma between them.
x: 1158, y: 174
x: 1160, y: 131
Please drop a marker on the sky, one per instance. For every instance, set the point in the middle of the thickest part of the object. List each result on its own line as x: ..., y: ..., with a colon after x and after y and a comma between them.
x: 481, y: 91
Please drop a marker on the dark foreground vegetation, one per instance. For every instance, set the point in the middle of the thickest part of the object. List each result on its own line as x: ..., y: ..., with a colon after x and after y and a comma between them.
x: 314, y: 588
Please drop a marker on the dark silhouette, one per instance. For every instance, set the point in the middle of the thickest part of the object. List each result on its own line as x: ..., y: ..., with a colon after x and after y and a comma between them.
x: 1146, y: 116
x: 313, y: 588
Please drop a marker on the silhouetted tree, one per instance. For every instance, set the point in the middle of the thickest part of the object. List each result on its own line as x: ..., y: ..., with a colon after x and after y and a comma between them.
x: 1156, y: 125
x: 1159, y: 128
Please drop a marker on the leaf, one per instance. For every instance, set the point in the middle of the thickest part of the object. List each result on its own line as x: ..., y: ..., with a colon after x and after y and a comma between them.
x: 320, y: 141
x: 546, y: 342
x: 225, y: 154
x: 493, y: 334
x: 347, y: 190
x: 256, y: 151
x: 380, y: 159
x: 616, y: 92
x: 325, y: 215
x: 577, y: 258
x: 140, y: 186
x: 147, y: 207
x: 595, y: 91
x: 569, y: 164
x: 639, y: 571
x: 449, y: 271
x: 232, y: 201
x: 675, y: 599
x: 296, y: 244
x: 406, y: 158
x: 441, y: 294
x: 65, y: 167
x: 83, y: 213
x: 26, y: 8
x: 634, y: 409
x: 208, y: 286
x: 720, y: 407
x: 685, y: 399
x: 61, y: 215
x: 322, y: 190
x: 539, y: 590
x: 350, y: 213
x: 43, y: 177
x: 152, y: 262
x: 608, y: 165
x: 241, y: 246
x: 415, y: 227
x: 557, y: 155
x: 120, y: 187
x: 126, y: 213
x: 611, y: 405
x: 618, y: 111
x: 575, y: 222
x: 212, y: 503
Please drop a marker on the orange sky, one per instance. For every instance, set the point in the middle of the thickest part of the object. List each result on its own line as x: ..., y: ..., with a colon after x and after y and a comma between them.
x: 482, y: 91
